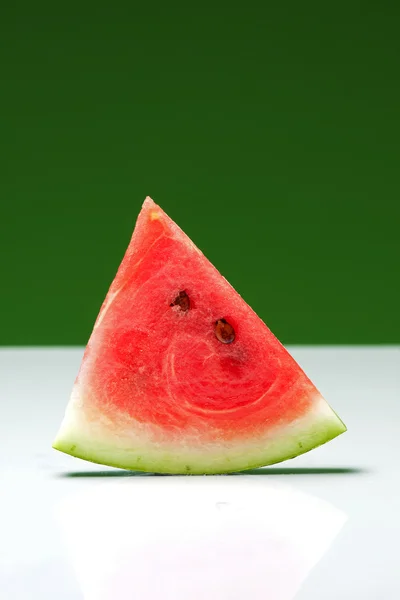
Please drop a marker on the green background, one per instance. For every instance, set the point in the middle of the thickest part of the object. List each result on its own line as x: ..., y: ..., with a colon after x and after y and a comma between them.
x: 269, y: 131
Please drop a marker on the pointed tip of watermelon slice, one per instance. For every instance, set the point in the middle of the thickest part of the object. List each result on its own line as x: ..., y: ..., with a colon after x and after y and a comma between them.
x: 152, y: 211
x: 148, y: 202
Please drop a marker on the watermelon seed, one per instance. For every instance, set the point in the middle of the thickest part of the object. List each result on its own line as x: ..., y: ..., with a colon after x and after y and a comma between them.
x: 182, y: 300
x: 224, y: 332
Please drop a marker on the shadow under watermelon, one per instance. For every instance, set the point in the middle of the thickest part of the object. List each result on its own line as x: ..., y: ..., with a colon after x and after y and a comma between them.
x: 262, y: 471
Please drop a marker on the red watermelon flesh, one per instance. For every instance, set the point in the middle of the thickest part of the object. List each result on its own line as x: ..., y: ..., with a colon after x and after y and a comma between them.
x: 181, y: 376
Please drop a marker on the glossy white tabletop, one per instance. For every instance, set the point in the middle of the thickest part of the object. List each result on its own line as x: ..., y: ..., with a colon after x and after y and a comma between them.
x: 325, y: 526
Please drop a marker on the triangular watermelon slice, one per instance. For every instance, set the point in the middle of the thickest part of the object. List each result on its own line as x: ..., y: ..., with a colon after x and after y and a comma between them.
x: 181, y: 376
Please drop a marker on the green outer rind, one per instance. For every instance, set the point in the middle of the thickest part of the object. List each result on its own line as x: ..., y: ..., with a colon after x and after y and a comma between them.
x: 101, y: 443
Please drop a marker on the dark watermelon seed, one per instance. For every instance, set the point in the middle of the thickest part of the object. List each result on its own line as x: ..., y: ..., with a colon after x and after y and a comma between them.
x: 224, y: 332
x: 182, y: 300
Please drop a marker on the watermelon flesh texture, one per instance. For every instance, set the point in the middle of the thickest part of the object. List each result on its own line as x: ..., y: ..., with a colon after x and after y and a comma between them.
x: 181, y: 376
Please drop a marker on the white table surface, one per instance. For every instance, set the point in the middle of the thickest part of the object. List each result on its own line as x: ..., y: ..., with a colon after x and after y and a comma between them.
x: 325, y: 526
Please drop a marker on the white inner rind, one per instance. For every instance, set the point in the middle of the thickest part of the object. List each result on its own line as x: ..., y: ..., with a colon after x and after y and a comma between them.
x: 125, y: 443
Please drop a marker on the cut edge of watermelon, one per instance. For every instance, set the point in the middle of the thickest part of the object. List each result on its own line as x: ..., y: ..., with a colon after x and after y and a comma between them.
x: 98, y: 440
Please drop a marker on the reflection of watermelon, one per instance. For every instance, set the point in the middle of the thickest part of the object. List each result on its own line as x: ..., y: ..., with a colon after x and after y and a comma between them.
x: 181, y: 376
x: 236, y: 539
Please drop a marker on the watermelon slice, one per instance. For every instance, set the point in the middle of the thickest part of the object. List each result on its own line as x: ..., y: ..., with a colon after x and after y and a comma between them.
x: 181, y: 376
